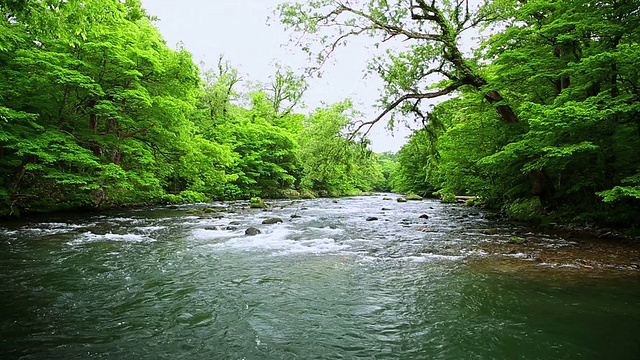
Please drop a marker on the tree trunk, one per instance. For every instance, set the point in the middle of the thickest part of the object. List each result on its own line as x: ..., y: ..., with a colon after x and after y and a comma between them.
x: 506, y: 113
x: 541, y: 186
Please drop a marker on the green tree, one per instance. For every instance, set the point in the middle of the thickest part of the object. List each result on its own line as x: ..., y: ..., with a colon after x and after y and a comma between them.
x: 333, y: 163
x: 577, y: 91
x: 432, y: 64
x: 96, y: 109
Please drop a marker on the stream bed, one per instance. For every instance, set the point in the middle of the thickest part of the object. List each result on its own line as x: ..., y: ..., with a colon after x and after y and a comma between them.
x: 423, y: 281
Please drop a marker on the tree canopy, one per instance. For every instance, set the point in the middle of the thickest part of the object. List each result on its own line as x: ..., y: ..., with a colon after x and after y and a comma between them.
x: 96, y: 111
x: 538, y: 118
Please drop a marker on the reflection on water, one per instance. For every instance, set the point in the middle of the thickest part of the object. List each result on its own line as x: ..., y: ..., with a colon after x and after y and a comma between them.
x: 157, y: 283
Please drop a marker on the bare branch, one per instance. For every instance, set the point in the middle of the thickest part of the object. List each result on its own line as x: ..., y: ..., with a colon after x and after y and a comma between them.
x: 449, y: 89
x: 392, y: 30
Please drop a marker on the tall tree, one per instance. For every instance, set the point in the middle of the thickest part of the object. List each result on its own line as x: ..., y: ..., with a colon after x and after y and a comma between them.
x: 96, y: 108
x: 433, y: 64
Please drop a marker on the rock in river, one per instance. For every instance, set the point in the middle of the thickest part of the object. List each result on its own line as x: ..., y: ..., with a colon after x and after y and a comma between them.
x: 272, y: 221
x: 372, y: 218
x: 491, y: 232
x: 251, y: 231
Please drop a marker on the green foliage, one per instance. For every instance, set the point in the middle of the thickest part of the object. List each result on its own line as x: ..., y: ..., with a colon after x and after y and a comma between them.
x: 620, y: 193
x: 257, y: 202
x: 416, y: 160
x: 569, y: 69
x: 516, y: 240
x: 388, y: 163
x: 449, y: 198
x: 529, y: 210
x: 333, y: 164
x: 96, y: 111
x: 472, y: 202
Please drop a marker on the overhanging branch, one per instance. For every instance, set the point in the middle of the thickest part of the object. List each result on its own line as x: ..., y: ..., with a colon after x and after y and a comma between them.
x: 449, y: 89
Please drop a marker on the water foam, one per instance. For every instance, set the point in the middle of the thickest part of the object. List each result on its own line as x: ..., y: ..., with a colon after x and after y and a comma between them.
x: 54, y: 228
x: 280, y: 241
x: 90, y: 237
x: 207, y: 234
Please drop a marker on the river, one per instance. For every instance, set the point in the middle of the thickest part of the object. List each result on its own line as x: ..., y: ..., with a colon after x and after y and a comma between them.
x: 158, y: 283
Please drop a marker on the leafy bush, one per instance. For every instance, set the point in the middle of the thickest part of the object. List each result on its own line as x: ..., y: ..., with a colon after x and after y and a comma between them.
x: 529, y: 210
x: 189, y: 196
x: 257, y: 202
x: 449, y: 198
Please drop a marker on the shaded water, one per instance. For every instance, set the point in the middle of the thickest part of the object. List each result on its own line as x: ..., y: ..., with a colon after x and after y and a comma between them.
x: 159, y: 284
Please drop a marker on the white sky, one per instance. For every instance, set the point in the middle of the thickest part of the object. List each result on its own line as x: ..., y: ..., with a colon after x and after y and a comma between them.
x: 238, y: 30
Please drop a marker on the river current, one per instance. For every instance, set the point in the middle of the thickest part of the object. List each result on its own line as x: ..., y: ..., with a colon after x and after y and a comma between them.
x: 417, y: 283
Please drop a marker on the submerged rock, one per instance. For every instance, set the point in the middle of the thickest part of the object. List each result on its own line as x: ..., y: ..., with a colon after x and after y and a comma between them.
x: 402, y: 200
x: 491, y: 232
x: 252, y: 231
x: 372, y: 218
x: 424, y: 216
x: 272, y: 221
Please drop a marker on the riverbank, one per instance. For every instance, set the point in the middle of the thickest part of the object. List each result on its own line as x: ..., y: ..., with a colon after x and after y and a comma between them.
x: 580, y: 247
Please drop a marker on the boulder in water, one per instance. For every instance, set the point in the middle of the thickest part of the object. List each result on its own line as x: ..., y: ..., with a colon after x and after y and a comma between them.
x: 372, y: 218
x: 252, y: 231
x: 424, y: 216
x: 272, y: 221
x: 402, y: 200
x: 491, y: 232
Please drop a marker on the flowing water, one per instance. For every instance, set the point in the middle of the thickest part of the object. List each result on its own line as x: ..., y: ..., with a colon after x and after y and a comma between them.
x: 325, y: 284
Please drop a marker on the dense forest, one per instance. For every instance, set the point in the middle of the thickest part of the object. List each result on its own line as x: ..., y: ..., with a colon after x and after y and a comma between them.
x: 539, y: 118
x: 96, y: 111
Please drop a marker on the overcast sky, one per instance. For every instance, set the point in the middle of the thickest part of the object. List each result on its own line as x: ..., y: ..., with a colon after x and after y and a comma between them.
x: 238, y: 30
